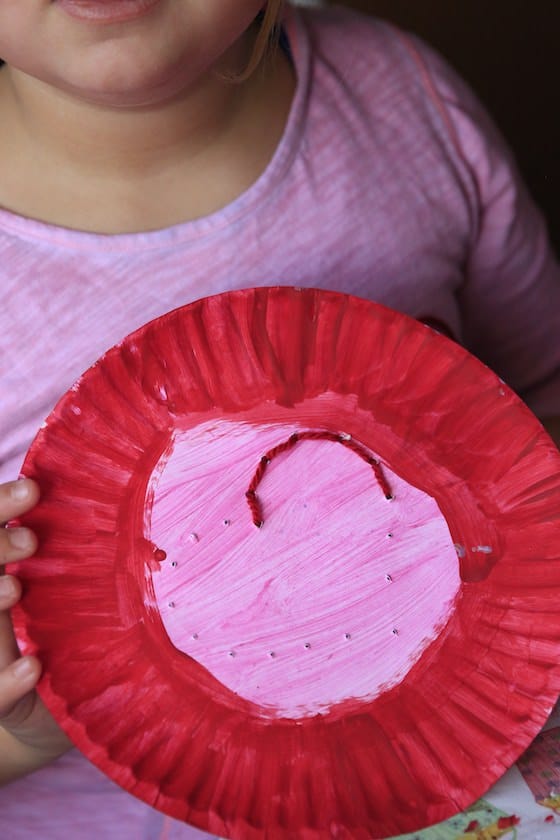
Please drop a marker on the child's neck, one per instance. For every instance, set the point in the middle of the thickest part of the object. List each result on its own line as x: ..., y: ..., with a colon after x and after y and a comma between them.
x: 107, y: 170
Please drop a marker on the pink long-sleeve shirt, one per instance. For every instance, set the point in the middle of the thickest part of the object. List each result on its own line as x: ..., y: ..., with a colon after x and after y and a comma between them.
x: 390, y: 182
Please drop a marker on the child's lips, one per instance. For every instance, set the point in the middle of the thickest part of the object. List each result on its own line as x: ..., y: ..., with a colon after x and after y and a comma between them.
x: 107, y: 11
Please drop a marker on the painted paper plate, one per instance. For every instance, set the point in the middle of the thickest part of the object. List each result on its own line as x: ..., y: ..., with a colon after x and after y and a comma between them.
x: 299, y: 568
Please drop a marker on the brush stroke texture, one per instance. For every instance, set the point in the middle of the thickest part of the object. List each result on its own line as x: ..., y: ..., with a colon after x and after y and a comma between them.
x: 245, y: 602
x: 156, y: 720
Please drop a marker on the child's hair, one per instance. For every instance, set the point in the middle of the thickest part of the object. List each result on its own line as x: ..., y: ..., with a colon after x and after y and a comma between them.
x: 266, y: 39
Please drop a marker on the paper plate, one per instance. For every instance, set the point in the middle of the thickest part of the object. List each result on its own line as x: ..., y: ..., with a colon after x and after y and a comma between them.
x: 299, y: 568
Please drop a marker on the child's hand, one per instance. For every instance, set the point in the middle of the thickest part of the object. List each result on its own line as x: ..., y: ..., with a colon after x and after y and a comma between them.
x: 28, y: 733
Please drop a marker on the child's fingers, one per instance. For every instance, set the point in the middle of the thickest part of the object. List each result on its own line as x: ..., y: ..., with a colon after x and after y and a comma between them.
x: 16, y: 544
x: 10, y: 592
x: 17, y: 680
x: 17, y: 675
x: 17, y: 497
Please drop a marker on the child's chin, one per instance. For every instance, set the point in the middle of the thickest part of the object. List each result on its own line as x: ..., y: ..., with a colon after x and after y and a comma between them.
x: 125, y: 86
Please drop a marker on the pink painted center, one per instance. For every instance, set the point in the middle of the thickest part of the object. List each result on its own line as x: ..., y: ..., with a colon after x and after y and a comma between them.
x: 336, y: 597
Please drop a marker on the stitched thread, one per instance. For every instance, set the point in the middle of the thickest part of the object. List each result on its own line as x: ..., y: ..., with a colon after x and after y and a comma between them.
x: 251, y: 494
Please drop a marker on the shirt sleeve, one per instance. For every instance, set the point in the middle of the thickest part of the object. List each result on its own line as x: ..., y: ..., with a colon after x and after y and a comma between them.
x: 510, y: 298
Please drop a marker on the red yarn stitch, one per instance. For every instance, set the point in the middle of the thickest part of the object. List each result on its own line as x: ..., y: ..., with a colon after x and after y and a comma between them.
x: 357, y: 448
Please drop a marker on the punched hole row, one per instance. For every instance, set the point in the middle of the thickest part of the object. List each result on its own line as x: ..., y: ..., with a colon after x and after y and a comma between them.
x: 307, y: 645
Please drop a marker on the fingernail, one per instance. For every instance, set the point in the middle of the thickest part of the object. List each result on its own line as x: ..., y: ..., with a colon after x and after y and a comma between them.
x: 19, y: 490
x: 20, y: 538
x: 23, y: 668
x: 7, y: 587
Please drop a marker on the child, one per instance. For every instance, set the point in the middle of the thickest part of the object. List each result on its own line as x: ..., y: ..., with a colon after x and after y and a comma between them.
x: 145, y: 162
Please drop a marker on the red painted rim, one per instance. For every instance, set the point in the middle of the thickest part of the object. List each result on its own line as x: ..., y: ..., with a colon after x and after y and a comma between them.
x: 156, y: 721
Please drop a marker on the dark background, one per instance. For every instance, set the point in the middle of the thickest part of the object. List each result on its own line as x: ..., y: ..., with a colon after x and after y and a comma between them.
x: 509, y: 51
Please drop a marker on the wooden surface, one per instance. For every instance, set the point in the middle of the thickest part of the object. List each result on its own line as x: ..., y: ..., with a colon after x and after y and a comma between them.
x: 508, y: 51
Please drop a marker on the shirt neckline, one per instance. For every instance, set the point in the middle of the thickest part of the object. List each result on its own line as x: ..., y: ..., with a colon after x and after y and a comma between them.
x: 191, y: 231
